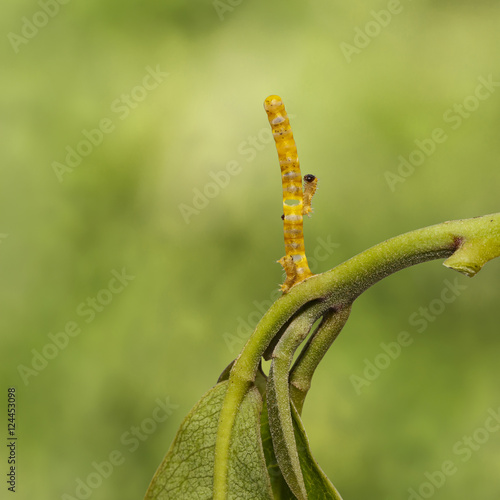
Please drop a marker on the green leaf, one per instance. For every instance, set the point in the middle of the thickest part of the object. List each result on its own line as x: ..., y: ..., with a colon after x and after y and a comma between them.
x: 278, y: 399
x: 318, y: 485
x: 187, y: 470
x: 281, y: 491
x: 248, y: 477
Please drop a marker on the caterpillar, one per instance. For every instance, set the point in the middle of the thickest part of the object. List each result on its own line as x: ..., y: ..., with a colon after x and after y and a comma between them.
x: 296, y: 201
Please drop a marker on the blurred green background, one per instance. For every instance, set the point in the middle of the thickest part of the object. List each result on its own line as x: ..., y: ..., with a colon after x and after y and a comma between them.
x: 199, y: 278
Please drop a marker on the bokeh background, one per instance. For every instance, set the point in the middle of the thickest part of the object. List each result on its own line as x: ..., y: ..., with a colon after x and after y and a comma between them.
x: 203, y: 270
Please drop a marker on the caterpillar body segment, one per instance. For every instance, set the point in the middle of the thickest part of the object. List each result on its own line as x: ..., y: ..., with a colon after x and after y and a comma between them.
x: 295, y: 261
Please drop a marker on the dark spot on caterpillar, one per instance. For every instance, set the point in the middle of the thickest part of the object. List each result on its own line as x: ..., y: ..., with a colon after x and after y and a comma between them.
x: 282, y: 216
x: 309, y: 177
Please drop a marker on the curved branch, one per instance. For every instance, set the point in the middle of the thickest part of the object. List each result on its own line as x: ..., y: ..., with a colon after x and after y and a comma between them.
x: 467, y: 244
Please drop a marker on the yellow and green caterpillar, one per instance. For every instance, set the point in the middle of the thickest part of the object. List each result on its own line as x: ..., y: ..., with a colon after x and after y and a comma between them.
x: 296, y: 201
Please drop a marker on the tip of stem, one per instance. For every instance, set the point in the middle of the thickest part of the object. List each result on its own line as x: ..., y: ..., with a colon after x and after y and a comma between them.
x: 467, y: 268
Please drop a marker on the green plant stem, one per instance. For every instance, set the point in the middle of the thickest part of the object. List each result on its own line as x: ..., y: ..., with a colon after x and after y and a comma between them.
x: 467, y: 244
x: 304, y: 367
